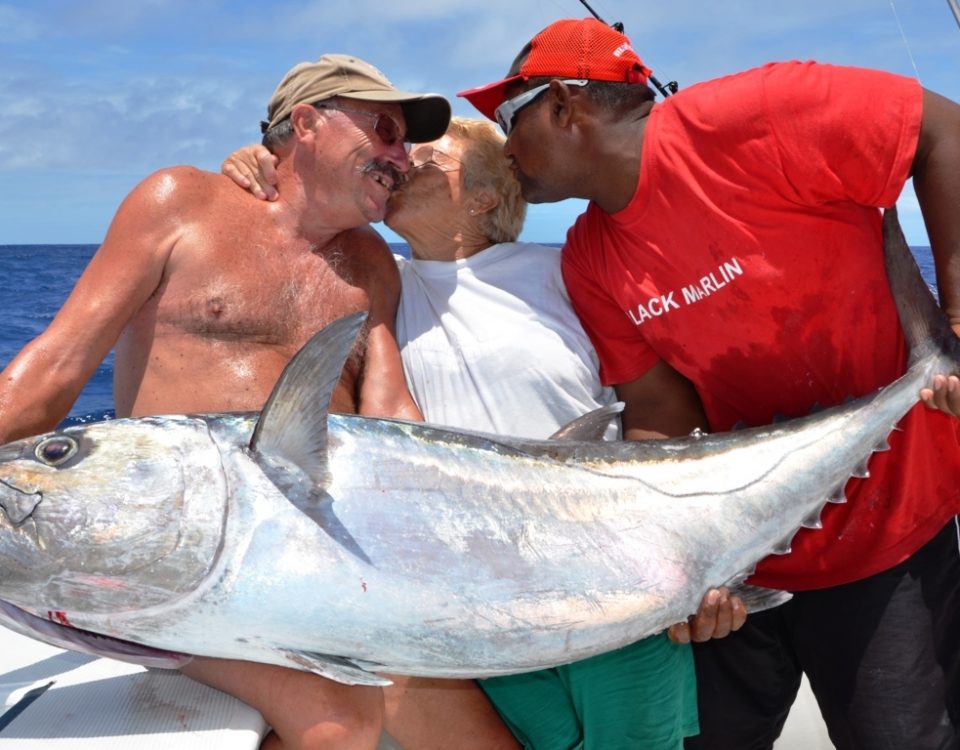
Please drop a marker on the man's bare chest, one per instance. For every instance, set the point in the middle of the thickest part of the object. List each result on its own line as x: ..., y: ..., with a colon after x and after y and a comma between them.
x: 279, y: 304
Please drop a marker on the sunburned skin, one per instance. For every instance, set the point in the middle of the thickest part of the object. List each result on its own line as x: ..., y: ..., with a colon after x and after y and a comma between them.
x: 216, y: 335
x: 205, y: 293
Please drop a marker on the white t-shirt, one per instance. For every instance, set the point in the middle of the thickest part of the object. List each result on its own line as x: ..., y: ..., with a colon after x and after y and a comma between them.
x: 491, y: 343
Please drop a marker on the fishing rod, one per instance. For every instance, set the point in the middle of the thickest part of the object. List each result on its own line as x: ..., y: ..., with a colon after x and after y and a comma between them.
x: 672, y: 86
x: 955, y: 8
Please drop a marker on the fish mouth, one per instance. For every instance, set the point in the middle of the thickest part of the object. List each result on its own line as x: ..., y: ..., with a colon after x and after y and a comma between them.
x: 56, y: 631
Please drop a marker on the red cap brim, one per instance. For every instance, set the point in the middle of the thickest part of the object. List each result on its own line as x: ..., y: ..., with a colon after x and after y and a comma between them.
x: 488, y: 98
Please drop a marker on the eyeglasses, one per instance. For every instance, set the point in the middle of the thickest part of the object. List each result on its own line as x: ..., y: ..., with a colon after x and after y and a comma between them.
x: 427, y: 156
x: 507, y: 111
x: 386, y: 128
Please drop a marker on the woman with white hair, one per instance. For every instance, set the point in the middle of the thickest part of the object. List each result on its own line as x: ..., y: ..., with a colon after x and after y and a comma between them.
x: 488, y: 338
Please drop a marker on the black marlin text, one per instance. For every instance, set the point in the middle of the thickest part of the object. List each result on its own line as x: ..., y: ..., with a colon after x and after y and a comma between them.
x: 654, y: 307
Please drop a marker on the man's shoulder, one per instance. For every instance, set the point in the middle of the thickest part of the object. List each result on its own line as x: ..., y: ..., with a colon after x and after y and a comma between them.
x: 179, y: 185
x: 791, y: 75
x: 582, y: 236
x: 165, y: 209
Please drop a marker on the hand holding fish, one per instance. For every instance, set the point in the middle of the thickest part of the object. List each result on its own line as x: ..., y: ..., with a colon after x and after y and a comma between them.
x: 943, y: 395
x: 254, y: 168
x: 718, y: 616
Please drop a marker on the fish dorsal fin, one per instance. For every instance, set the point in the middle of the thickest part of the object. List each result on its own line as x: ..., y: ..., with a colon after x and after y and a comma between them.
x: 293, y: 424
x: 591, y: 426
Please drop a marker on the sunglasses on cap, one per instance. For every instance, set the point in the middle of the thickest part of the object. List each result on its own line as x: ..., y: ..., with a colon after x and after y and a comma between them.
x: 507, y: 111
x: 386, y: 128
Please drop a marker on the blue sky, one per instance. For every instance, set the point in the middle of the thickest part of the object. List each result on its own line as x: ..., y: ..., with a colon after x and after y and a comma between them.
x: 95, y: 95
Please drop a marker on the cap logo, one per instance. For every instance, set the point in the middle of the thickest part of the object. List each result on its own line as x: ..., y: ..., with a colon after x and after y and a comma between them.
x: 619, y: 51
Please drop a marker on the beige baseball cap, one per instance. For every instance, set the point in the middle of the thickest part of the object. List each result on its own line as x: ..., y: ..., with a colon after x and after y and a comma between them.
x: 427, y: 115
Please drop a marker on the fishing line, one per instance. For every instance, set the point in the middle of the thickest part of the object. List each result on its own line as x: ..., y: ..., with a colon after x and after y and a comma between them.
x: 904, y: 37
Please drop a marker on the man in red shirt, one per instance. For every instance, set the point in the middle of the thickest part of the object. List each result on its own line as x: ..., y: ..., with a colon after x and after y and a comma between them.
x: 733, y: 242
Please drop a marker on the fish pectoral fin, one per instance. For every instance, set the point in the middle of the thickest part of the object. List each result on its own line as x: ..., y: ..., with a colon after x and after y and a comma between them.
x: 319, y: 508
x: 591, y: 426
x: 337, y: 668
x: 293, y: 424
x: 758, y: 598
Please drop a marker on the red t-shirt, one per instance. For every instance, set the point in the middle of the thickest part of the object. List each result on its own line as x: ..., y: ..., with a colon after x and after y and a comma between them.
x: 750, y: 259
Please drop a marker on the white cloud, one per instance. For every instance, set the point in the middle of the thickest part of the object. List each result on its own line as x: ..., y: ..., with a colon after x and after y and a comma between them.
x: 103, y: 93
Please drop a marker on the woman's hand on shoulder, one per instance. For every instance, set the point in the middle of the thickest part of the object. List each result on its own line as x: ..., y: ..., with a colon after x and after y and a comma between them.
x: 253, y: 168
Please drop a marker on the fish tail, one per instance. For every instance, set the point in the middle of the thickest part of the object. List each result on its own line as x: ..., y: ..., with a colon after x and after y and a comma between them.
x: 928, y: 334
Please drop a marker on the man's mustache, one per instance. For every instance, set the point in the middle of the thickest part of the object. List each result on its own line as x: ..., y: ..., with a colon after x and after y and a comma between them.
x: 384, y: 167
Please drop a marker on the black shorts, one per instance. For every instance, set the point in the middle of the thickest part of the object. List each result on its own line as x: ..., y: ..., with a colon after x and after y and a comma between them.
x: 882, y: 656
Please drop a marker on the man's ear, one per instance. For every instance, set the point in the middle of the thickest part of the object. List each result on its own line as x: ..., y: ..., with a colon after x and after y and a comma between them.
x: 564, y: 101
x: 304, y: 118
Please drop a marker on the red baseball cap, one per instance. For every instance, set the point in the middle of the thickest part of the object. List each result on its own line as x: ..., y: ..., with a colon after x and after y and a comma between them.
x: 569, y: 48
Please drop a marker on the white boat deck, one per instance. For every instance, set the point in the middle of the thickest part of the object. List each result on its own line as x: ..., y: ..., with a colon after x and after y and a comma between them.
x: 82, y: 702
x: 61, y: 700
x: 804, y: 729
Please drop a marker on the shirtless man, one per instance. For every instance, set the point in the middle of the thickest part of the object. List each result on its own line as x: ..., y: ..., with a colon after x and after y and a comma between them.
x: 205, y: 309
x: 207, y: 292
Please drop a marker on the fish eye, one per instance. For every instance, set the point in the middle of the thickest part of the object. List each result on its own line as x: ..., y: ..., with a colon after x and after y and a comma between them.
x: 53, y: 451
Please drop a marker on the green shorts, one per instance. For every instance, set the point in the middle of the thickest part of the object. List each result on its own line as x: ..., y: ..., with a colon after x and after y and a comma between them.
x: 640, y: 697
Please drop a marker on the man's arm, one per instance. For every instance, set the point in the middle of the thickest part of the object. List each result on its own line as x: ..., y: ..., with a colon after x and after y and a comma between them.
x: 660, y: 403
x: 663, y: 403
x: 936, y: 179
x: 41, y: 383
x: 383, y: 391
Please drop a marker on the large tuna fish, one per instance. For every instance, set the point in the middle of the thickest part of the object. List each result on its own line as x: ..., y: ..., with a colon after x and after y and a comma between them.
x: 349, y: 546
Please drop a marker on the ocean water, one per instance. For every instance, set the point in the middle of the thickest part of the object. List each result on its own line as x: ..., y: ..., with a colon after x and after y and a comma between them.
x: 36, y: 279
